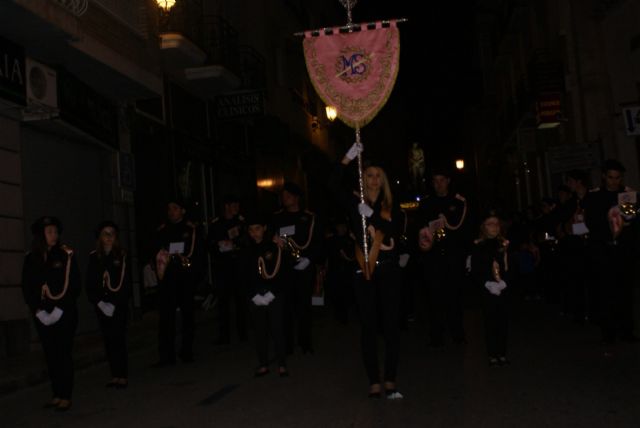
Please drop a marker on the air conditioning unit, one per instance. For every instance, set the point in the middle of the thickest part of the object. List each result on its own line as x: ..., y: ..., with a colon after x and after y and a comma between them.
x: 42, y: 92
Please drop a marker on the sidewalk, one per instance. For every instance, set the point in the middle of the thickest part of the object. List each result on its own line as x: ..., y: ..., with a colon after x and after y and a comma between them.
x: 28, y: 370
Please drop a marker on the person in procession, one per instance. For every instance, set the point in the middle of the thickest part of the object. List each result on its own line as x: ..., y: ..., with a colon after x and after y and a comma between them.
x: 297, y: 230
x: 51, y: 285
x: 444, y: 244
x: 262, y: 266
x: 224, y: 243
x: 178, y: 255
x: 108, y: 287
x: 378, y: 291
x: 490, y: 272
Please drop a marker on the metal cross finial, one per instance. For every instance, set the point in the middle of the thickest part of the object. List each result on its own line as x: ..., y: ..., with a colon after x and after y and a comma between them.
x: 349, y: 5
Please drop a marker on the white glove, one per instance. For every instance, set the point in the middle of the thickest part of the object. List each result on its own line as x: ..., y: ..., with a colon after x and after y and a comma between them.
x: 365, y: 210
x: 302, y: 264
x: 106, y: 308
x: 55, y: 315
x: 259, y: 300
x: 269, y: 297
x: 403, y: 260
x: 354, y: 151
x: 495, y: 287
x: 43, y: 317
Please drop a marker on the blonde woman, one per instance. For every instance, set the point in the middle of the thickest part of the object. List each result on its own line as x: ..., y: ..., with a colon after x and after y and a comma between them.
x: 377, y: 287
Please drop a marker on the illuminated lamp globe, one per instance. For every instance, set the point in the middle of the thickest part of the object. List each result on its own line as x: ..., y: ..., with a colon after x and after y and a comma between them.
x: 166, y: 5
x: 332, y: 113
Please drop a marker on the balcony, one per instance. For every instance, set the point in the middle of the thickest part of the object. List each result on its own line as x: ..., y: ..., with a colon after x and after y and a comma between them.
x: 200, y: 51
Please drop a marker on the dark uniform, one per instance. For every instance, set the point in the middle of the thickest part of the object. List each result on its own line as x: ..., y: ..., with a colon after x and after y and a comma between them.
x: 108, y: 280
x: 379, y: 293
x: 444, y: 265
x: 485, y: 253
x: 57, y: 271
x: 303, y: 229
x: 176, y: 288
x: 224, y: 243
x: 268, y: 319
x: 613, y: 261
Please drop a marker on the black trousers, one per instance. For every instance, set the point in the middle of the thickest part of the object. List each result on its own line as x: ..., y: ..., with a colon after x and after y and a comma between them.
x: 230, y: 290
x: 114, y: 333
x: 176, y: 290
x: 495, y: 323
x: 268, y: 321
x: 298, y: 289
x: 57, y: 343
x: 378, y: 302
x: 614, y: 265
x: 444, y: 278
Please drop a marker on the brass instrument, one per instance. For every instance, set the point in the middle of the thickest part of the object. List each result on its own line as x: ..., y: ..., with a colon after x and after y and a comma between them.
x: 440, y: 234
x: 292, y: 248
x: 628, y: 210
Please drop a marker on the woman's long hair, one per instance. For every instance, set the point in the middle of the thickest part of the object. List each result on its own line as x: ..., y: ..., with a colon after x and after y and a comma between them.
x: 385, y: 189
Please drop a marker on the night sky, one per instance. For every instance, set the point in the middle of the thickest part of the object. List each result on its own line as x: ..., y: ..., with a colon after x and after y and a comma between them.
x: 436, y: 81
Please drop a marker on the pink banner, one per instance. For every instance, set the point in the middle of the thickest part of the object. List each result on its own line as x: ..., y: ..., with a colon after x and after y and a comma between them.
x: 355, y: 72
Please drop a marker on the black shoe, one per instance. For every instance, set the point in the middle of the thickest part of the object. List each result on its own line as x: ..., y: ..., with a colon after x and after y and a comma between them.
x: 503, y: 362
x: 493, y: 362
x: 261, y: 373
x: 111, y: 384
x: 122, y: 385
x: 283, y: 372
x: 375, y: 395
x: 163, y: 363
x: 50, y: 404
x: 63, y: 406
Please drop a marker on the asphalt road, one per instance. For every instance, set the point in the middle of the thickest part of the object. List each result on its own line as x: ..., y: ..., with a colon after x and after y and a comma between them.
x: 559, y: 377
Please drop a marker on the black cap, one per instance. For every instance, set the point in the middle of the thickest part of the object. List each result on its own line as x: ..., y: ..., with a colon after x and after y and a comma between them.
x: 613, y: 165
x: 441, y: 169
x: 490, y: 212
x: 178, y: 201
x: 104, y: 224
x: 37, y: 228
x: 293, y: 188
x: 256, y: 218
x: 230, y: 198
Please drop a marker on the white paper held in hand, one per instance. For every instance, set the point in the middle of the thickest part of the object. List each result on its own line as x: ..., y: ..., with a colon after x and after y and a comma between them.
x: 176, y: 248
x: 288, y: 230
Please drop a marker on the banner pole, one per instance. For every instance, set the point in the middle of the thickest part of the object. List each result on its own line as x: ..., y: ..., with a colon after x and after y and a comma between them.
x: 365, y: 245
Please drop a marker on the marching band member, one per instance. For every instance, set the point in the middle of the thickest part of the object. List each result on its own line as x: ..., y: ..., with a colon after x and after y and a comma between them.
x: 51, y: 285
x: 610, y: 216
x: 178, y: 251
x: 443, y: 242
x: 224, y: 242
x: 377, y: 289
x: 108, y: 286
x: 298, y: 231
x: 262, y: 266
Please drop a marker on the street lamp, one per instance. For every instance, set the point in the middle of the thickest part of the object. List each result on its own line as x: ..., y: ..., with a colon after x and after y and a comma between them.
x: 332, y: 113
x: 460, y: 164
x: 166, y: 5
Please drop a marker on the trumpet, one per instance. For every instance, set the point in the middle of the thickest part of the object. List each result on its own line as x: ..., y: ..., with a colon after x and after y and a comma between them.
x: 185, y: 262
x: 292, y: 248
x: 440, y: 234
